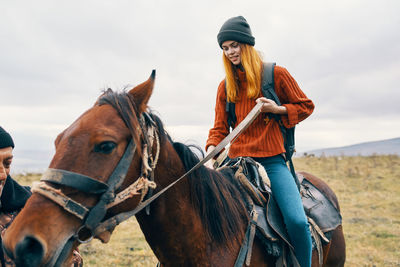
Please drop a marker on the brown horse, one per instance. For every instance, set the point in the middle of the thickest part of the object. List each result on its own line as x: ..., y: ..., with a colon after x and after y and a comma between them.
x: 200, y: 221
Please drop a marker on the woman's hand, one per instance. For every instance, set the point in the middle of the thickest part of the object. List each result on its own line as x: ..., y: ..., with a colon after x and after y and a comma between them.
x: 210, y: 163
x: 269, y: 106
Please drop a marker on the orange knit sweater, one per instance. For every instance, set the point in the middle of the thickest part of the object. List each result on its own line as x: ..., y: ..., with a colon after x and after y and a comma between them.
x: 263, y: 138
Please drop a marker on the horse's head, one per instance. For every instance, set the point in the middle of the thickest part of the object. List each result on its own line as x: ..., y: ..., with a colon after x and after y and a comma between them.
x: 78, y: 191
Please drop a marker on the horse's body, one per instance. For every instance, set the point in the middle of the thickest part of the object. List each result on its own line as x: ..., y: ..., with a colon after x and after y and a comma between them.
x: 200, y: 221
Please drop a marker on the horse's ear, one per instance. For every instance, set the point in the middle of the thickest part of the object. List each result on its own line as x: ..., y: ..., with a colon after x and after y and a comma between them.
x: 141, y: 93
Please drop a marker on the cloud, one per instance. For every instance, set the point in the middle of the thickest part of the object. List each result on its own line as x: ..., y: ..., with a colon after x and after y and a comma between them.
x: 56, y: 57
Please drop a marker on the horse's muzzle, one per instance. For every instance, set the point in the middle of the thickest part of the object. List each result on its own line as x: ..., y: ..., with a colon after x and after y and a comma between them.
x: 29, y: 252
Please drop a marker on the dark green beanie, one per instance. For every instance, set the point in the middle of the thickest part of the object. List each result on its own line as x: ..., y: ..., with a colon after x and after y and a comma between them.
x: 236, y: 29
x: 5, y: 139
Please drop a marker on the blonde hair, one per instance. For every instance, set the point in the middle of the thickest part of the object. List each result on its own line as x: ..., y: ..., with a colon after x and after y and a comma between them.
x: 252, y: 64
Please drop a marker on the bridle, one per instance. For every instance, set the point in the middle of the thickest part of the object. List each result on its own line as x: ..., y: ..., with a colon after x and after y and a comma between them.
x: 92, y: 217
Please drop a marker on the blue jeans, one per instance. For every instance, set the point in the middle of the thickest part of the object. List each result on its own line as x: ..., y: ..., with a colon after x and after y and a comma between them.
x: 289, y: 201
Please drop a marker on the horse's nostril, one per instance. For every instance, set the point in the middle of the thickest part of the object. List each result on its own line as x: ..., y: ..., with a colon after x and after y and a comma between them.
x: 29, y: 252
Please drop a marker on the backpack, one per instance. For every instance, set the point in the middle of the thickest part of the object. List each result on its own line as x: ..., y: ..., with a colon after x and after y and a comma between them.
x: 268, y: 91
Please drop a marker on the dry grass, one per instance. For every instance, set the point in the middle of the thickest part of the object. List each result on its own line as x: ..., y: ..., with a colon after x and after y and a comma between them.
x: 369, y: 194
x: 368, y: 189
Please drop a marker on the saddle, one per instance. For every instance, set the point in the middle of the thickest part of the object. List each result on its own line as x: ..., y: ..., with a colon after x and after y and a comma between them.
x: 322, y: 215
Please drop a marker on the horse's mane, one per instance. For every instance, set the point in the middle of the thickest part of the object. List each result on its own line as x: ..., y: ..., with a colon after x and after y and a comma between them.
x: 216, y: 196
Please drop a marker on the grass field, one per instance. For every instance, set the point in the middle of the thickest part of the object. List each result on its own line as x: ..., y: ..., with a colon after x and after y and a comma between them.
x: 368, y: 189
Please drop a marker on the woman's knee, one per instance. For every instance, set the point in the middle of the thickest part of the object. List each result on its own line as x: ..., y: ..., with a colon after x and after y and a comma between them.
x: 298, y: 224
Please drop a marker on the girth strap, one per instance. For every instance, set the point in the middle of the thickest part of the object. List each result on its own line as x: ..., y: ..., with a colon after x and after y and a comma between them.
x: 247, y: 245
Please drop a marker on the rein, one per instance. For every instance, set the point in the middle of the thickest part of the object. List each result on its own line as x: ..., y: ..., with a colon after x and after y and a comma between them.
x: 92, y: 218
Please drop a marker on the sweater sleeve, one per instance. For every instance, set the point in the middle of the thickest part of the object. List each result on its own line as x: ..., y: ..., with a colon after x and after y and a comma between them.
x: 299, y: 107
x: 221, y: 128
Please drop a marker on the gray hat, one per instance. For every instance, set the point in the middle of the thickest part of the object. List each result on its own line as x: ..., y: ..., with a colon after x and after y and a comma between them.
x: 5, y: 139
x: 236, y: 29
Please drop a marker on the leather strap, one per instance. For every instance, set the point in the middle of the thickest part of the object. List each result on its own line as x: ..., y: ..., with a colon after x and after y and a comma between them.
x: 98, y: 212
x: 65, y: 202
x: 245, y: 251
x: 75, y: 180
x: 251, y: 237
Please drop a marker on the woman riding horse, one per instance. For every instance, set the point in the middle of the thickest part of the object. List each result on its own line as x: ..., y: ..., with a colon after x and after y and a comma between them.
x: 263, y: 139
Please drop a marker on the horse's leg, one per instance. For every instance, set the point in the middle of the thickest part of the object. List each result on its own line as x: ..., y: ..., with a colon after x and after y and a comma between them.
x: 336, y: 252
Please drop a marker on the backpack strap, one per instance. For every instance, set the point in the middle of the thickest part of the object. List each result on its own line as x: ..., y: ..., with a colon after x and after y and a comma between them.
x: 267, y: 88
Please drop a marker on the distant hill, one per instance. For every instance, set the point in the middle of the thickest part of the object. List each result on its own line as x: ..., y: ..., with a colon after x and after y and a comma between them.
x: 383, y: 147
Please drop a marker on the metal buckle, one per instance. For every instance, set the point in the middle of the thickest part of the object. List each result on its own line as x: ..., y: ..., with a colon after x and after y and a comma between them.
x: 82, y: 231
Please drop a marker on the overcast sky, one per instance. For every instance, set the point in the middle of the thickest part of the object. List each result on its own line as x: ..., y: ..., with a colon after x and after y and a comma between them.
x: 57, y: 56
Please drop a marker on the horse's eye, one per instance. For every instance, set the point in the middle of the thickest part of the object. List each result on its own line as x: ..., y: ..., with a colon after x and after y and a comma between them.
x: 105, y: 147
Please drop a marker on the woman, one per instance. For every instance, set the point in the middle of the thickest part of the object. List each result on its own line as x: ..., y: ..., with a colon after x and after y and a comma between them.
x: 263, y: 139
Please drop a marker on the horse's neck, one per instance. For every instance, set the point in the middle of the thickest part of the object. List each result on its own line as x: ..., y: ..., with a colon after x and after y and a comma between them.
x: 174, y: 229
